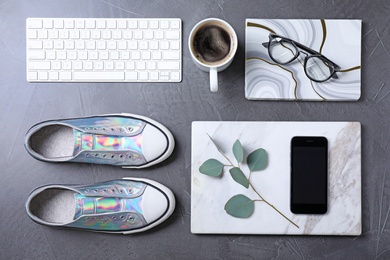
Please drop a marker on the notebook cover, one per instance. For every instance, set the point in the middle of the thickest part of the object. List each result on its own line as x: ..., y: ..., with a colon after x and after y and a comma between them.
x: 210, y: 194
x: 338, y: 40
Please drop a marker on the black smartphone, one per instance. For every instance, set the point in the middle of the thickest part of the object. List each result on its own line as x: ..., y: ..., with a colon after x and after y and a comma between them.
x: 309, y: 175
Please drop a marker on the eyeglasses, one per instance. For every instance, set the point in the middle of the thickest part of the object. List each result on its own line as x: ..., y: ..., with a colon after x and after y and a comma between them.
x: 317, y: 67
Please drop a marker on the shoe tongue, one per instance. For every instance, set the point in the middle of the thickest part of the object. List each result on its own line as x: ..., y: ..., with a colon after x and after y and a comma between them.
x: 95, y: 205
x: 82, y: 141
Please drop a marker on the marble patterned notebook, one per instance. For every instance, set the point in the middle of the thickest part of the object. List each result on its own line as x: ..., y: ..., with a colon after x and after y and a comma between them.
x: 338, y: 40
x: 210, y: 194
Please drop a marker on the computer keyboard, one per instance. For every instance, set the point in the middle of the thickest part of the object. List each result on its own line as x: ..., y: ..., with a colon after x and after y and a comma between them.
x: 103, y: 50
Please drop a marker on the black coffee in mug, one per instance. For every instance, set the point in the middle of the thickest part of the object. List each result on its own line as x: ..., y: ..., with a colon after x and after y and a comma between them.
x: 212, y: 43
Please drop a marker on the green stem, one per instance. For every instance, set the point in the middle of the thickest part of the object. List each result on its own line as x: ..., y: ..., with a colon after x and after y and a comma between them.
x: 272, y: 206
x: 219, y: 150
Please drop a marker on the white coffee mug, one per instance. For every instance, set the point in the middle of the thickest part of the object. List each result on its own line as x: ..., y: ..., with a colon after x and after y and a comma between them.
x: 203, y: 55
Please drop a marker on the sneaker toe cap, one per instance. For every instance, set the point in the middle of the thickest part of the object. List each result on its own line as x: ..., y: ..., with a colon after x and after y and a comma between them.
x: 154, y: 143
x: 154, y: 204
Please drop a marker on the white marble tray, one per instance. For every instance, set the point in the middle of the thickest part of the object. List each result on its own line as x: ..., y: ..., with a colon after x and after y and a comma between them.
x: 338, y: 40
x: 209, y: 194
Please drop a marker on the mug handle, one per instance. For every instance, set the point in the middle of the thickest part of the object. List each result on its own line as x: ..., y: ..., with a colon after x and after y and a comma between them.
x: 213, y: 80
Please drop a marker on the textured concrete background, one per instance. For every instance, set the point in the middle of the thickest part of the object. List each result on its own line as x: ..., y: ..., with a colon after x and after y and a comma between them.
x: 176, y: 105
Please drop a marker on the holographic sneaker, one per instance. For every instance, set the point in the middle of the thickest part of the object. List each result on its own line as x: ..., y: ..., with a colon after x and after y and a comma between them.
x: 125, y: 140
x: 120, y: 206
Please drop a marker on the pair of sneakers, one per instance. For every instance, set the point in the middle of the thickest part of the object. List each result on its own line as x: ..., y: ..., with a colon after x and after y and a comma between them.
x: 125, y: 206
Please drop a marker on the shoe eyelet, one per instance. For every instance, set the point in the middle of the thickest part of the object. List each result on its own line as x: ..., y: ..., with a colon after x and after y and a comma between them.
x: 122, y: 217
x: 104, y: 155
x: 96, y: 154
x: 121, y: 191
x: 131, y: 218
x: 104, y: 129
x: 104, y: 190
x: 131, y: 191
x: 95, y: 190
x: 130, y: 129
x: 121, y: 129
x: 87, y: 155
x: 112, y: 156
x: 113, y: 217
x: 112, y: 129
x: 95, y: 129
x: 87, y: 218
x: 121, y: 156
x: 113, y: 190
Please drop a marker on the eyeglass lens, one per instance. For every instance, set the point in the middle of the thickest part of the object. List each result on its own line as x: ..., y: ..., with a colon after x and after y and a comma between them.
x: 283, y: 51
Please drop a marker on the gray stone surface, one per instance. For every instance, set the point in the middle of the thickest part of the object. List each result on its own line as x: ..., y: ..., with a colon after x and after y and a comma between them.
x: 176, y: 105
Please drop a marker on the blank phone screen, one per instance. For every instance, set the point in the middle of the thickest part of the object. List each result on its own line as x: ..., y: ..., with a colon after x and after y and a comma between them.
x: 309, y: 175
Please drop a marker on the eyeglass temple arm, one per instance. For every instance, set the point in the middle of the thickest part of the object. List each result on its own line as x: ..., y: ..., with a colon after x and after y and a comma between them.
x: 265, y: 44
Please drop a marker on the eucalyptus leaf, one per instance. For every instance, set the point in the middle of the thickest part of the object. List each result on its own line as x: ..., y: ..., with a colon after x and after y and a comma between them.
x: 257, y: 160
x: 240, y: 206
x: 238, y: 151
x: 211, y: 167
x: 239, y: 177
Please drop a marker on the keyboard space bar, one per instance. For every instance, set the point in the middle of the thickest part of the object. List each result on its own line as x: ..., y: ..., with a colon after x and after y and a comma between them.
x: 92, y: 75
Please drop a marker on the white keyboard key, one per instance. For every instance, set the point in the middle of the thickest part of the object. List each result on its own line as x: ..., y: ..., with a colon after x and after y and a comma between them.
x: 156, y: 55
x: 159, y: 35
x: 164, y: 77
x: 171, y: 55
x: 48, y: 24
x: 69, y: 24
x: 111, y: 45
x: 96, y: 35
x: 69, y: 45
x: 51, y: 55
x: 43, y: 75
x: 175, y: 45
x: 58, y: 24
x: 164, y: 24
x: 132, y: 24
x: 53, y: 75
x: 119, y: 65
x: 114, y: 55
x: 175, y: 75
x: 122, y: 45
x: 143, y: 24
x: 151, y: 65
x: 143, y: 45
x: 39, y: 65
x: 132, y: 45
x: 175, y: 24
x: 125, y: 55
x: 90, y: 24
x: 166, y: 65
x: 48, y: 45
x: 64, y: 34
x: 164, y: 45
x: 154, y: 75
x: 65, y: 75
x: 132, y: 75
x: 90, y: 45
x: 83, y: 55
x: 127, y: 35
x: 137, y: 35
x: 109, y: 65
x: 172, y: 35
x: 106, y: 34
x: 122, y: 24
x: 148, y: 35
x: 35, y: 44
x: 67, y: 65
x: 98, y: 65
x: 135, y: 55
x: 32, y: 75
x: 36, y: 55
x: 85, y: 34
x: 88, y: 65
x: 140, y: 65
x: 72, y: 55
x: 35, y: 23
x: 80, y: 45
x: 77, y: 65
x: 130, y: 65
x: 153, y: 24
x: 153, y: 45
x: 103, y: 55
x: 146, y: 55
x: 93, y: 55
x: 42, y: 34
x: 100, y: 24
x: 80, y: 24
x: 61, y: 55
x: 74, y: 34
x: 101, y: 45
x: 53, y: 34
x: 111, y: 24
x: 100, y: 75
x: 143, y: 75
x: 58, y: 45
x: 117, y: 35
x: 32, y: 34
x: 56, y: 65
